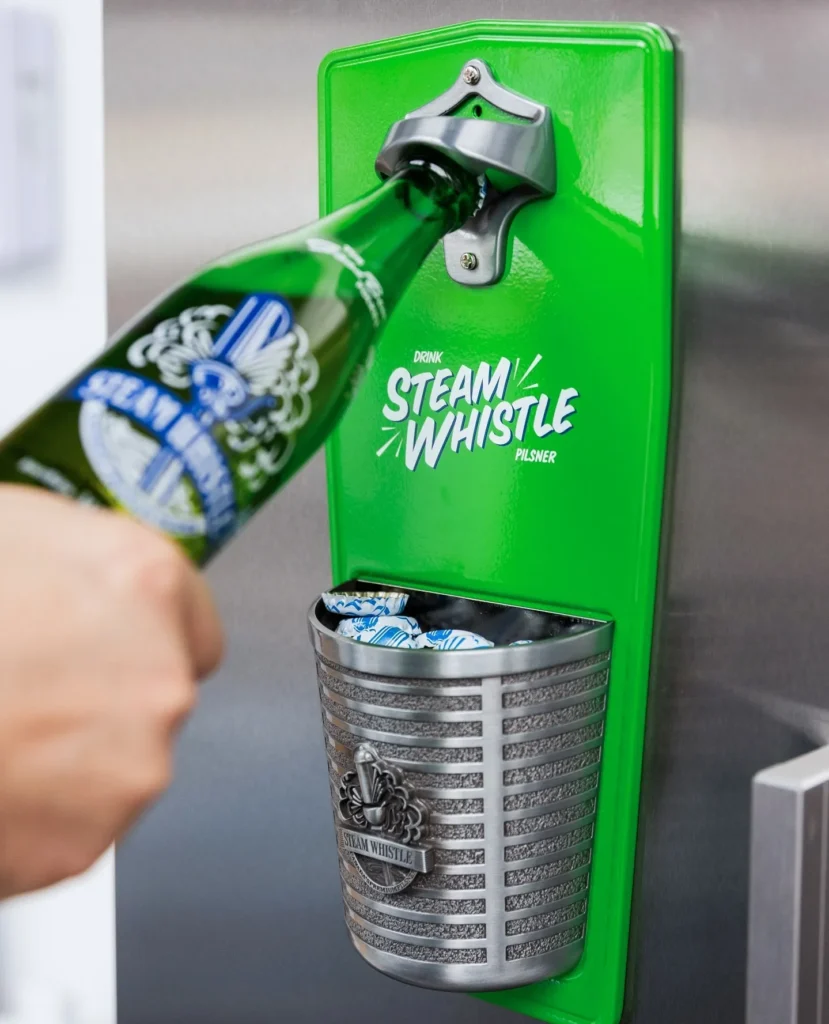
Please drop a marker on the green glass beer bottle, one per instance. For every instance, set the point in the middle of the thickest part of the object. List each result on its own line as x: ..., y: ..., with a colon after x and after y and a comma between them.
x: 208, y: 402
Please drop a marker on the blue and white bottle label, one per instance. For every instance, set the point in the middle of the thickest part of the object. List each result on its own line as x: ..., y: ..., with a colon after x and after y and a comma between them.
x: 155, y: 444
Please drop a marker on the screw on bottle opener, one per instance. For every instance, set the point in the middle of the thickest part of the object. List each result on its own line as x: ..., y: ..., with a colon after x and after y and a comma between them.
x: 523, y: 153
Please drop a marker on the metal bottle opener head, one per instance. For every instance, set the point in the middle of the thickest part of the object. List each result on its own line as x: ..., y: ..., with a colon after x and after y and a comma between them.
x: 523, y: 154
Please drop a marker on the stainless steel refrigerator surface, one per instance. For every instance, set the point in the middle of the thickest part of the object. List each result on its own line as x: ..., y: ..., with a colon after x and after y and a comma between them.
x: 228, y: 898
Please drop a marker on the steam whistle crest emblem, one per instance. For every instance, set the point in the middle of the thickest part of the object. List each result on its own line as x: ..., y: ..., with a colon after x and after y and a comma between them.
x: 382, y: 824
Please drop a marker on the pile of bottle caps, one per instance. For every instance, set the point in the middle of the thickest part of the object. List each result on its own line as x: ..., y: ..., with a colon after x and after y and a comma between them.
x: 376, y: 618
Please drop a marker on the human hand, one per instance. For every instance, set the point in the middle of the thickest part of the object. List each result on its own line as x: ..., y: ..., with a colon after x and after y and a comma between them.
x: 105, y: 629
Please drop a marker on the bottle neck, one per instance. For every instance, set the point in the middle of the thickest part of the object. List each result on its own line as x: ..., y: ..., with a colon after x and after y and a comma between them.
x: 396, y: 226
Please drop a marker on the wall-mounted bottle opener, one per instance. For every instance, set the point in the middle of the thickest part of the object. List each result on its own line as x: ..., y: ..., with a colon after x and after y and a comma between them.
x: 504, y: 464
x: 520, y: 156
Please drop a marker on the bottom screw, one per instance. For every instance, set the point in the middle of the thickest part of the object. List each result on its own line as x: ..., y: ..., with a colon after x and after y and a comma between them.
x: 469, y: 261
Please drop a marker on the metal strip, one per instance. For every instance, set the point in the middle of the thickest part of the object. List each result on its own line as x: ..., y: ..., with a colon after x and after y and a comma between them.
x: 575, y: 923
x: 554, y: 678
x: 525, y: 710
x: 416, y: 940
x: 433, y: 793
x: 787, y: 980
x: 401, y: 714
x: 439, y: 818
x: 511, y: 739
x: 418, y: 915
x: 549, y: 880
x: 435, y: 818
x: 460, y: 869
x: 543, y: 759
x: 449, y: 869
x: 492, y: 742
x: 522, y: 938
x: 553, y: 905
x: 402, y: 740
x: 335, y: 773
x: 350, y: 877
x: 549, y: 858
x: 566, y: 828
x: 443, y: 869
x: 431, y: 767
x: 448, y: 894
x: 537, y: 810
x: 436, y: 875
x: 402, y: 688
x: 575, y: 946
x: 466, y: 977
x: 555, y: 780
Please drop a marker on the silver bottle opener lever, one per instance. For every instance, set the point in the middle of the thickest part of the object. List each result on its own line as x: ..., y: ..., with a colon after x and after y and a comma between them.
x: 476, y: 253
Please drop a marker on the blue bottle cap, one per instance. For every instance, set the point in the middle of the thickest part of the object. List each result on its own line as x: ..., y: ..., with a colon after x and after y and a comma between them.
x: 377, y: 602
x: 365, y: 624
x: 387, y: 636
x: 452, y: 640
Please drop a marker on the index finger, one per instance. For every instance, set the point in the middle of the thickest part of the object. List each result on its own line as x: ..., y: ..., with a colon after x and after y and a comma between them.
x: 203, y: 627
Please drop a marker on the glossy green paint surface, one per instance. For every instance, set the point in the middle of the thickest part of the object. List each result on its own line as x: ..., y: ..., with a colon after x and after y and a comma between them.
x: 588, y: 288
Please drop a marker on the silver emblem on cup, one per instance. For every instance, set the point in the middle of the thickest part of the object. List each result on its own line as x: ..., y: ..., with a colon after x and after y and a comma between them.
x: 382, y: 824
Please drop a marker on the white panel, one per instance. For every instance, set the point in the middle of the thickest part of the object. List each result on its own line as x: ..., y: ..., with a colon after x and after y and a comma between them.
x: 29, y: 155
x: 58, y: 952
x: 57, y: 948
x: 54, y: 317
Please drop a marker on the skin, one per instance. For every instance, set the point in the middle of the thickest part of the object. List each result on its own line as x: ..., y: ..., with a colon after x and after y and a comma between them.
x: 105, y: 631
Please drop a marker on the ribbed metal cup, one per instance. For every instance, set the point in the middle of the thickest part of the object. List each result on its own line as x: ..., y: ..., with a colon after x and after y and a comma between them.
x: 500, y: 749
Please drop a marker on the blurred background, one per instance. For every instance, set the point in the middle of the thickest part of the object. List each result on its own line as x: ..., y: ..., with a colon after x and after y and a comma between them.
x: 228, y: 899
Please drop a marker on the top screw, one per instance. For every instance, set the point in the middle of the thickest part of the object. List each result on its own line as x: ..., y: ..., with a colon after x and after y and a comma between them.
x: 471, y: 75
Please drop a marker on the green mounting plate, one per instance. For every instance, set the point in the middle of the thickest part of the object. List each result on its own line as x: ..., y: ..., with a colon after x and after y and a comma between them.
x: 585, y: 307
